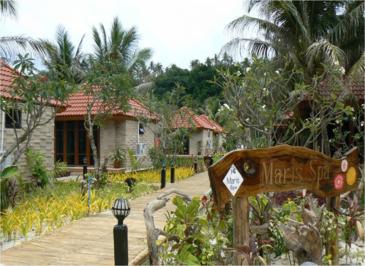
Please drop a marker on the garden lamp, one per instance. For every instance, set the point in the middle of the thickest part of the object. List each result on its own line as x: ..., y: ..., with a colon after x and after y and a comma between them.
x: 120, y: 210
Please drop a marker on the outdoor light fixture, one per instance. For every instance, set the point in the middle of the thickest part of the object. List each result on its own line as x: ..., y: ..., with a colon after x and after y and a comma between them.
x: 120, y: 210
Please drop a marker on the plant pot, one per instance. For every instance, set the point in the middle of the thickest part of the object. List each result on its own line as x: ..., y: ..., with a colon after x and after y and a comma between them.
x: 117, y: 164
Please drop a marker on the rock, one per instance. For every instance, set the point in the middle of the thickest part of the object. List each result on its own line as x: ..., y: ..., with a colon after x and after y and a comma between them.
x: 308, y: 263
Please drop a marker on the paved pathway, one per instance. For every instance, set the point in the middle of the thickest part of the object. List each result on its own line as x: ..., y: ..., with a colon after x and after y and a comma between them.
x: 89, y: 241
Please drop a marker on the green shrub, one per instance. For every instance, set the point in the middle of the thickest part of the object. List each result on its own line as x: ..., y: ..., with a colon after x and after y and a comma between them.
x: 198, y: 232
x: 60, y: 169
x: 10, y: 186
x: 157, y: 156
x: 35, y: 161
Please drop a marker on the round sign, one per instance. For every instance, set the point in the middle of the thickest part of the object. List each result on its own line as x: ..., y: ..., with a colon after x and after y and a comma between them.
x: 338, y: 181
x: 351, y: 176
x: 344, y: 165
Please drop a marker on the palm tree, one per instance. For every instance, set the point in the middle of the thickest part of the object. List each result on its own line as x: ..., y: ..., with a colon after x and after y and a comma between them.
x: 12, y: 45
x: 304, y: 33
x: 7, y: 7
x: 63, y: 60
x: 121, y: 47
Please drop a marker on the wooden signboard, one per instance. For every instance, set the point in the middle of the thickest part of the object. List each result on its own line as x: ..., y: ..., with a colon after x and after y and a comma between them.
x: 244, y: 173
x: 284, y: 168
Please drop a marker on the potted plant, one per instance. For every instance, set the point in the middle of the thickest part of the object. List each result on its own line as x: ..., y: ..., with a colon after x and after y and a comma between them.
x: 117, y: 157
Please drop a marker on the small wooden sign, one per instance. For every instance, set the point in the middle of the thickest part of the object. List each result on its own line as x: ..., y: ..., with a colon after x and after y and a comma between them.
x: 284, y: 168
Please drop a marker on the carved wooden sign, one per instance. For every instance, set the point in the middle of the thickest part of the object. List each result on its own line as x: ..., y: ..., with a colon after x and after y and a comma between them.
x: 284, y: 168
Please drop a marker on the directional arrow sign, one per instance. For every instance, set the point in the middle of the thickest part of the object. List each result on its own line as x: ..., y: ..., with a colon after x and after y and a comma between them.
x: 233, y: 180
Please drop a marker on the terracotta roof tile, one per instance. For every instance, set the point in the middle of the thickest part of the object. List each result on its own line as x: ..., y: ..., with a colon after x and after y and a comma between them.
x: 7, y: 77
x: 77, y: 106
x: 185, y: 118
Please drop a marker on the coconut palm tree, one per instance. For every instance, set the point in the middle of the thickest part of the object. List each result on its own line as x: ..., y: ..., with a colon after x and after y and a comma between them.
x: 12, y: 45
x: 7, y: 7
x: 63, y: 60
x: 120, y: 46
x: 303, y: 33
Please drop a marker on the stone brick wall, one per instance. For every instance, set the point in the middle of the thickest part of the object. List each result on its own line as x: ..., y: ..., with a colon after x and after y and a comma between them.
x: 199, y: 140
x: 42, y: 140
x: 124, y: 134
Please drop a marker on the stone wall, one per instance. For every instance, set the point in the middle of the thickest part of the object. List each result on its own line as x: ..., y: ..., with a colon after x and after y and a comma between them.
x: 42, y: 140
x: 118, y: 133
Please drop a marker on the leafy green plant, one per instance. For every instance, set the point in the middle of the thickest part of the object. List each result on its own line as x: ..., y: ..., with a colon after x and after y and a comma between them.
x: 197, y: 234
x: 157, y: 156
x: 35, y: 161
x: 118, y: 156
x: 133, y: 160
x: 60, y: 169
x: 9, y: 186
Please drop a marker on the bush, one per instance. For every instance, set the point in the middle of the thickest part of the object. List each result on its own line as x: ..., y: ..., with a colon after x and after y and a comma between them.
x: 35, y: 162
x: 10, y: 186
x: 157, y: 156
x: 199, y: 234
x: 60, y: 169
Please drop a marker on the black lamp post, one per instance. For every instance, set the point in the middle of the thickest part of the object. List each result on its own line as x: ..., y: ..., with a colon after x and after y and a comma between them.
x: 84, y: 168
x: 163, y: 174
x: 120, y: 210
x: 172, y: 172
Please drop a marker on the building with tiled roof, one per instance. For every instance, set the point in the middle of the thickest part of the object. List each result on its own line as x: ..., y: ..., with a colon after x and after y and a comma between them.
x: 121, y: 130
x: 205, y: 135
x: 15, y: 118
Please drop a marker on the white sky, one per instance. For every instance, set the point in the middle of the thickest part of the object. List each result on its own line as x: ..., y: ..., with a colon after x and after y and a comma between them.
x: 177, y: 31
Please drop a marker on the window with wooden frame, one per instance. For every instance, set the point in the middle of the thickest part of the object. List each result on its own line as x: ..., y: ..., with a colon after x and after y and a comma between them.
x: 13, y: 118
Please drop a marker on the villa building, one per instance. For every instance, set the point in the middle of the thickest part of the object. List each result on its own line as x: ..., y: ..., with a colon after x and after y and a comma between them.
x: 205, y: 135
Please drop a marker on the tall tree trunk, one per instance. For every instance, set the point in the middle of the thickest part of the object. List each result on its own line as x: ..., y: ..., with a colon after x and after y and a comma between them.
x: 89, y: 126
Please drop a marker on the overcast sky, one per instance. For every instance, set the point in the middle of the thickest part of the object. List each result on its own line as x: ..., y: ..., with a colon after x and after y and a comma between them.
x: 177, y: 31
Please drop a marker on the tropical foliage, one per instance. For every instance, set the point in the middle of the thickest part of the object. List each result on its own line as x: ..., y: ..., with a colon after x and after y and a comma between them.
x: 304, y: 34
x: 63, y: 60
x: 120, y: 46
x: 46, y: 209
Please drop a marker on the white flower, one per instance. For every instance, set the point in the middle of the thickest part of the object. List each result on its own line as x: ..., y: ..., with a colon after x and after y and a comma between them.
x: 337, y: 121
x: 264, y: 106
x: 248, y: 69
x: 247, y: 119
x: 238, y: 73
x: 213, y: 241
x: 362, y: 123
x: 265, y: 74
x: 342, y: 70
x: 277, y: 72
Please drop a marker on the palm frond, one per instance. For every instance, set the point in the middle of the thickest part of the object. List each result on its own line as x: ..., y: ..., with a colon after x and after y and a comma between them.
x: 357, y: 70
x: 293, y: 11
x: 129, y: 45
x: 241, y: 23
x: 349, y: 22
x: 79, y: 46
x: 139, y: 58
x: 325, y: 51
x: 8, y: 7
x: 12, y: 45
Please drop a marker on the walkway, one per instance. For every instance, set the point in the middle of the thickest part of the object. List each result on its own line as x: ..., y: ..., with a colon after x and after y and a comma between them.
x: 89, y: 241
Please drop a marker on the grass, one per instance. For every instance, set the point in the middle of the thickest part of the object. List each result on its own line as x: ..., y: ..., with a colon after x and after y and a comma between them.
x: 46, y: 209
